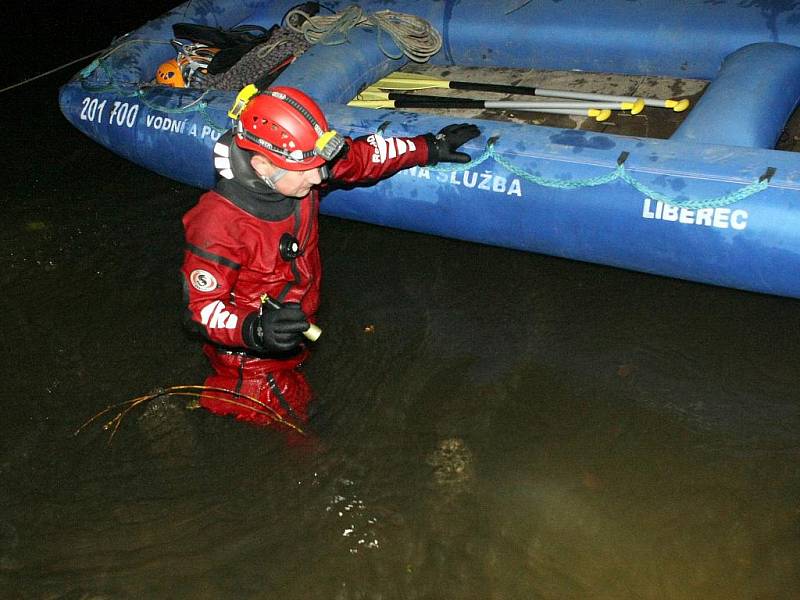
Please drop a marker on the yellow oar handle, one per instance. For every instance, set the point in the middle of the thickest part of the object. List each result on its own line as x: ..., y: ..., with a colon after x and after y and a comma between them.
x: 677, y: 105
x: 600, y: 115
x: 634, y: 107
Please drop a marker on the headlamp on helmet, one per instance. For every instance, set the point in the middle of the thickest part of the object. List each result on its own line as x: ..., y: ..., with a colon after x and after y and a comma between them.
x: 329, y: 145
x: 286, y: 126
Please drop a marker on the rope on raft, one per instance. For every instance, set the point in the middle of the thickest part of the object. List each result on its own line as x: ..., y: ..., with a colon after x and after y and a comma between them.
x: 415, y: 36
x: 620, y: 172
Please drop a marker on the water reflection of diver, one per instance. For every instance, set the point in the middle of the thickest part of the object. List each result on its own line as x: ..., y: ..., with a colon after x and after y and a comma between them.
x: 255, y: 234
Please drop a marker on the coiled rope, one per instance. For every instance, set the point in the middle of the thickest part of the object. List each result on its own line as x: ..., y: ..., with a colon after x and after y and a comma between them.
x: 415, y: 36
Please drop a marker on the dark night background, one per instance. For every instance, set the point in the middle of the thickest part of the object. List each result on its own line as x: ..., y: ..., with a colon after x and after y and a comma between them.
x: 43, y: 35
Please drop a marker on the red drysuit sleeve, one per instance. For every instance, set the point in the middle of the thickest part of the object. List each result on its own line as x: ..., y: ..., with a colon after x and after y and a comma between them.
x: 210, y: 270
x: 375, y: 157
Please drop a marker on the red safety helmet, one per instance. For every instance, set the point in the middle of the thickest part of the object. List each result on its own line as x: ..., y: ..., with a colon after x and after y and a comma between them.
x: 287, y: 127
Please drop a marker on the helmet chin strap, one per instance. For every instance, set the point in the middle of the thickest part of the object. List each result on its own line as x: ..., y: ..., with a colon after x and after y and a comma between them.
x: 272, y: 180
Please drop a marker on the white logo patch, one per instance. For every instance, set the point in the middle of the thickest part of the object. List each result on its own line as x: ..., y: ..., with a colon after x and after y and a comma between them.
x: 214, y: 316
x: 386, y: 148
x: 203, y: 281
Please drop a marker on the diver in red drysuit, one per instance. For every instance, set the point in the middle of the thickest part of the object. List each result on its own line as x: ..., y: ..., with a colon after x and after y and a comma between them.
x: 256, y: 233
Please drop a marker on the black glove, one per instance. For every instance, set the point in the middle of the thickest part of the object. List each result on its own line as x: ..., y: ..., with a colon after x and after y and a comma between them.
x: 442, y: 146
x: 278, y: 328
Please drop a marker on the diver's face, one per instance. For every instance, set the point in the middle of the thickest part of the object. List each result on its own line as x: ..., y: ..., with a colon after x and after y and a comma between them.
x: 298, y: 184
x: 295, y: 184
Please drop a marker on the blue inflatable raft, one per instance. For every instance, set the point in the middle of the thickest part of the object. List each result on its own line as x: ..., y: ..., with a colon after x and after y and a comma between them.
x: 714, y: 203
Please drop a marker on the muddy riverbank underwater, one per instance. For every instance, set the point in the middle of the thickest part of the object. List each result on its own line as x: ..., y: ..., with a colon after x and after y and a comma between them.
x: 491, y: 424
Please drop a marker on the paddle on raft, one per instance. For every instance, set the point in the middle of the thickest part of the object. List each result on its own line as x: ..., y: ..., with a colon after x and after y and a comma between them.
x: 415, y: 81
x: 413, y: 101
x: 597, y: 114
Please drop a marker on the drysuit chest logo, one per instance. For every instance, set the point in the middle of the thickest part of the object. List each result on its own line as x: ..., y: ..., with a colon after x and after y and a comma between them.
x: 203, y: 281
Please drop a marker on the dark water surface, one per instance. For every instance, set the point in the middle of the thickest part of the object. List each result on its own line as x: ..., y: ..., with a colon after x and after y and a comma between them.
x: 492, y: 424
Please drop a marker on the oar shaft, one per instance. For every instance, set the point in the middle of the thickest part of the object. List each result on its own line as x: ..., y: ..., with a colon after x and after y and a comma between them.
x: 449, y: 103
x: 676, y: 105
x: 600, y: 115
x: 589, y: 111
x: 545, y: 105
x: 417, y: 100
x: 535, y: 106
x: 494, y: 87
x: 598, y: 97
x: 445, y: 102
x: 533, y: 91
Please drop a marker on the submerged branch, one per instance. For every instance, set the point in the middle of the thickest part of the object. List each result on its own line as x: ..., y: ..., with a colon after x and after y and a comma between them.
x: 188, y: 391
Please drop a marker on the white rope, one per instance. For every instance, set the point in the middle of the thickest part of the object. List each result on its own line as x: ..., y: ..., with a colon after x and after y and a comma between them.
x: 50, y: 72
x: 415, y: 36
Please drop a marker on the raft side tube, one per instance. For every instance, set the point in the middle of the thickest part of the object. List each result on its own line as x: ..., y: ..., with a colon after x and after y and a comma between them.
x: 750, y: 99
x: 751, y: 245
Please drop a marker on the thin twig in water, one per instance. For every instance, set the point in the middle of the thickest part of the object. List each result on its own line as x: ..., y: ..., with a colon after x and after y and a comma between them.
x: 188, y: 391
